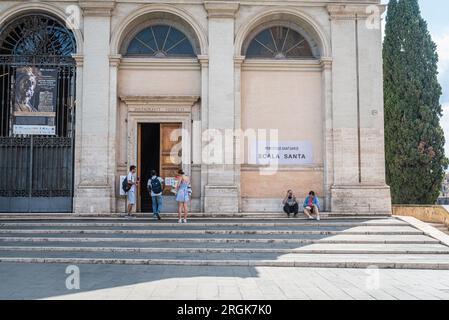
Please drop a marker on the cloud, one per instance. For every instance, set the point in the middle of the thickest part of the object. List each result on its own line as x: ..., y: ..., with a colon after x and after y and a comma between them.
x: 445, y: 125
x: 442, y: 41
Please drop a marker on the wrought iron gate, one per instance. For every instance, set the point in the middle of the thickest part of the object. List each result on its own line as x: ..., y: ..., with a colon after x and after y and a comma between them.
x: 36, y: 172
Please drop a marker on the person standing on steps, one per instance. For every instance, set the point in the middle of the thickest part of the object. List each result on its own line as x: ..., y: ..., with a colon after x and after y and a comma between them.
x: 132, y: 183
x: 155, y: 185
x: 312, y: 206
x: 183, y: 193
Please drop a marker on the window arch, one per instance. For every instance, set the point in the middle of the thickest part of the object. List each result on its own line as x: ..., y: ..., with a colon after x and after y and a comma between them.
x: 160, y: 41
x: 37, y: 34
x: 279, y: 42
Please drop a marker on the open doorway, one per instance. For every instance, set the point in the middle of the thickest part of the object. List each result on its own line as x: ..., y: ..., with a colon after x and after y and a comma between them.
x: 156, y: 143
x: 149, y: 159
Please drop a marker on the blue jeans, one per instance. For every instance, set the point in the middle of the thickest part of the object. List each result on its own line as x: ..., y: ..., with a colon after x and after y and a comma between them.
x: 157, y: 204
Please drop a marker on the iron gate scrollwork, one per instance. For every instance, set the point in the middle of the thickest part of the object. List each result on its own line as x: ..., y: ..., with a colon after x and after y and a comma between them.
x: 36, y: 172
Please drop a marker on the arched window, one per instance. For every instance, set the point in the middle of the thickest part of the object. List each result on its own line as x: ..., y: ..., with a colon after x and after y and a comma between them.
x: 160, y: 41
x: 37, y: 35
x: 279, y: 42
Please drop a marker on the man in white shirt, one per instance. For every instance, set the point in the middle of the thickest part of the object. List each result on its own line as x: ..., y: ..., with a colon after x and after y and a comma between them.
x: 155, y: 185
x: 132, y: 181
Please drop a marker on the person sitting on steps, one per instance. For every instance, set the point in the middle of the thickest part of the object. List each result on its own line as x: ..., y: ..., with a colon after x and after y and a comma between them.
x: 290, y: 204
x: 312, y: 206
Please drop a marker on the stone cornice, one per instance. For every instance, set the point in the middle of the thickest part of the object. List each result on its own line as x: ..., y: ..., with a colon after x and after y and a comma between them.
x: 282, y: 65
x: 353, y: 11
x: 135, y: 63
x: 221, y: 9
x: 238, y: 60
x: 203, y: 60
x: 99, y: 8
x: 160, y: 100
x: 326, y: 62
x: 114, y: 60
x: 79, y: 59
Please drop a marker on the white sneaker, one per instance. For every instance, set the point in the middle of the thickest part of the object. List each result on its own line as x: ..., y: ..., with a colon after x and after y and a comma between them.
x: 318, y: 218
x: 185, y: 220
x: 180, y: 221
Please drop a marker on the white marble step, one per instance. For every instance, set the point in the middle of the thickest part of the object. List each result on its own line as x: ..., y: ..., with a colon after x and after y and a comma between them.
x: 436, y: 262
x: 342, y: 238
x: 359, y: 230
x: 310, y: 249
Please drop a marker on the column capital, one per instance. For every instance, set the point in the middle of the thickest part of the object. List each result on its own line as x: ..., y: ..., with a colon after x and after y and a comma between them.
x: 221, y: 9
x: 354, y: 11
x: 114, y: 60
x: 203, y: 60
x: 99, y: 8
x: 326, y: 62
x: 79, y: 59
x: 238, y: 60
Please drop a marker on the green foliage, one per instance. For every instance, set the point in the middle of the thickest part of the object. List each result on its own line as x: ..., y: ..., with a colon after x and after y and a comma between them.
x: 414, y: 139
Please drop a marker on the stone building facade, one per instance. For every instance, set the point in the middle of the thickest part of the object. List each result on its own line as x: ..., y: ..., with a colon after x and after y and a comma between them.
x: 310, y: 69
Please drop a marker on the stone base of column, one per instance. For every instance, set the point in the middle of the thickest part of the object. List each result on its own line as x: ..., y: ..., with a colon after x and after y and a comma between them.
x: 363, y: 200
x: 221, y: 199
x: 93, y: 199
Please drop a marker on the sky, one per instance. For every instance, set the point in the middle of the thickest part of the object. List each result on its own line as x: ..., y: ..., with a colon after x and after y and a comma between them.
x: 435, y: 13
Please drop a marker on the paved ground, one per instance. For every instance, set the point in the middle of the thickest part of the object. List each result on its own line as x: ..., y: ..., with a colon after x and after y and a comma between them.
x: 217, y: 258
x: 41, y: 281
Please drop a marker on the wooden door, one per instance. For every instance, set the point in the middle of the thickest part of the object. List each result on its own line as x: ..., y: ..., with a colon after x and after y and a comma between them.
x: 171, y: 152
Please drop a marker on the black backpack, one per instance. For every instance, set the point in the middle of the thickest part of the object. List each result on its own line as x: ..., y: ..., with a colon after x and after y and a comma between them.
x: 156, y: 185
x: 125, y: 185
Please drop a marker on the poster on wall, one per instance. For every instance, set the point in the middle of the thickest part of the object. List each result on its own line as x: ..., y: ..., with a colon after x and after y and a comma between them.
x: 281, y: 152
x: 35, y: 101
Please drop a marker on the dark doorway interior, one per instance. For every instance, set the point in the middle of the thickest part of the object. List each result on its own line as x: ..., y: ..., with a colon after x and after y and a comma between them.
x: 149, y: 160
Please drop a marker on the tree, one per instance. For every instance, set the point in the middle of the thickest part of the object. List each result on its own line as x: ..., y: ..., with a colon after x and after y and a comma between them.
x: 414, y: 139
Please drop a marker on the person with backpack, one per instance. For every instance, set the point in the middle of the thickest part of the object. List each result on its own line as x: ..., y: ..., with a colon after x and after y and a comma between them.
x: 129, y: 186
x: 155, y: 186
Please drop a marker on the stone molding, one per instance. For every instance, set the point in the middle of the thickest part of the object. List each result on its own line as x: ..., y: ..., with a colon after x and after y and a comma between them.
x: 165, y: 101
x: 221, y: 9
x: 281, y: 65
x: 114, y: 60
x: 79, y: 59
x: 352, y: 11
x: 159, y: 64
x: 97, y: 8
x: 203, y: 60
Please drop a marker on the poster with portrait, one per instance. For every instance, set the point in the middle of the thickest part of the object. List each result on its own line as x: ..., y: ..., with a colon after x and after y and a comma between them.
x: 35, y: 101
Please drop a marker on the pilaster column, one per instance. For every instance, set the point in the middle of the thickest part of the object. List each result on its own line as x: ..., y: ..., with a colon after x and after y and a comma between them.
x: 221, y: 191
x: 328, y: 149
x: 204, y: 62
x: 357, y: 107
x: 94, y: 191
x: 114, y: 62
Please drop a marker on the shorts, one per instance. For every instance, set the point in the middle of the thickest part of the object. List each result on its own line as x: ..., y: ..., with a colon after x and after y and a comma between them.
x: 311, y: 209
x: 131, y: 197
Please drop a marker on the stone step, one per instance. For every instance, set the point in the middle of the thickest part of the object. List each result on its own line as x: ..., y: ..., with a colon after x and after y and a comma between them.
x: 224, y: 256
x: 268, y: 215
x: 246, y: 231
x: 167, y: 224
x: 434, y: 262
x: 187, y: 248
x: 305, y: 239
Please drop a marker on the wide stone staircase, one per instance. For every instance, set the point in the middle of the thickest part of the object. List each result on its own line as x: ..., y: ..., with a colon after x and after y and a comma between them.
x: 246, y: 240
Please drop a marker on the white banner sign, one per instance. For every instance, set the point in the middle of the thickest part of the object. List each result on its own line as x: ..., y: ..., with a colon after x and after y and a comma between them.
x: 34, y: 129
x: 282, y: 152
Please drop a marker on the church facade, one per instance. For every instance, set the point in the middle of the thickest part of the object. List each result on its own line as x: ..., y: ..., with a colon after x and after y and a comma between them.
x: 250, y: 98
